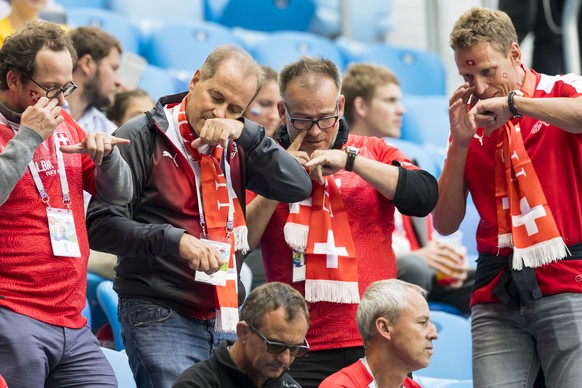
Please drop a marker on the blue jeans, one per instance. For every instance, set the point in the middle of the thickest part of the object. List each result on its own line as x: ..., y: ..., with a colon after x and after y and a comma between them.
x: 162, y: 343
x: 37, y: 354
x: 509, y: 345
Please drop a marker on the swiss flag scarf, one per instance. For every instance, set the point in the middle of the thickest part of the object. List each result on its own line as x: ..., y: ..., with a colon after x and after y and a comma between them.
x: 319, y: 227
x: 523, y: 215
x: 218, y: 197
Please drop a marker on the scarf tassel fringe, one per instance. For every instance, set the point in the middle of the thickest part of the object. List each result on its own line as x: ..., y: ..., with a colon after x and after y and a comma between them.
x: 539, y: 254
x: 296, y: 236
x: 226, y: 319
x: 331, y: 291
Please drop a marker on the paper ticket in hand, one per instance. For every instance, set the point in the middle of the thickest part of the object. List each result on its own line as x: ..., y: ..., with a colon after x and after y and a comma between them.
x: 219, y: 277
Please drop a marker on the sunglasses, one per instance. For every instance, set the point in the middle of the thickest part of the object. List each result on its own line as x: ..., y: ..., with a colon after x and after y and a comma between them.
x: 274, y: 347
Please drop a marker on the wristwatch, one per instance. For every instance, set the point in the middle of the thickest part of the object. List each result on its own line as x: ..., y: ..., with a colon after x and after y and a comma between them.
x: 352, y: 153
x: 511, y: 102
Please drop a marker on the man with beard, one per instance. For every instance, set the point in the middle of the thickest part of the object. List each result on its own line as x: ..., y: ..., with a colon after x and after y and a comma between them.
x: 96, y: 76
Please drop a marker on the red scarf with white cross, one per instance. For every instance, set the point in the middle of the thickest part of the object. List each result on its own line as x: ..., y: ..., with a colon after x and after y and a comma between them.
x: 217, y: 194
x: 319, y: 227
x: 523, y: 215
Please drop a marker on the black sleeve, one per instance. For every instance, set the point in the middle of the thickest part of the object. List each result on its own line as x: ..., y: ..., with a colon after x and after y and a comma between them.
x: 416, y: 192
x: 270, y: 170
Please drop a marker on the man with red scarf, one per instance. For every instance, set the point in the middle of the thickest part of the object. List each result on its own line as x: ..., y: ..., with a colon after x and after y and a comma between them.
x: 335, y: 243
x: 180, y: 240
x: 516, y: 146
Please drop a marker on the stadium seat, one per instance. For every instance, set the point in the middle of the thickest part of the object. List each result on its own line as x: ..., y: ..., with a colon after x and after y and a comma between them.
x: 185, y: 46
x: 426, y: 120
x: 446, y: 307
x: 451, y: 357
x: 367, y: 20
x: 98, y: 317
x: 419, y: 72
x: 68, y: 4
x: 246, y: 278
x: 417, y: 154
x: 157, y: 82
x: 109, y: 300
x: 179, y: 11
x: 120, y: 364
x: 86, y: 312
x: 281, y: 48
x: 268, y: 15
x: 115, y: 24
x: 469, y: 229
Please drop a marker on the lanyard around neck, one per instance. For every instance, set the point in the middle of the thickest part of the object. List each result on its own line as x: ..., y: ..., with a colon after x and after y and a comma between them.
x: 198, y: 178
x: 44, y: 197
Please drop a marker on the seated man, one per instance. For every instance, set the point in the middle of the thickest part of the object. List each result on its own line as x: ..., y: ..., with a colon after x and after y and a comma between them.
x: 394, y: 322
x: 270, y: 334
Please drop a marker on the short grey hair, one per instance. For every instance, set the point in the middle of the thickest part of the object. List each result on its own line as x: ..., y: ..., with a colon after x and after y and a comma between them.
x: 383, y: 298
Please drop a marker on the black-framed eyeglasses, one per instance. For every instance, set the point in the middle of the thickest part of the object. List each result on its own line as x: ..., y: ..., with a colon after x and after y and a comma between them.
x: 302, y: 124
x: 55, y: 90
x: 274, y: 347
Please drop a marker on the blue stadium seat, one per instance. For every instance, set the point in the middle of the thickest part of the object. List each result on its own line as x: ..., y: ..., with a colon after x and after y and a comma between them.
x: 426, y: 120
x: 281, y: 48
x: 115, y: 24
x: 98, y: 317
x: 419, y: 72
x: 120, y: 364
x: 178, y: 11
x: 67, y: 4
x: 108, y: 300
x: 157, y: 82
x: 268, y: 15
x: 367, y: 20
x: 185, y: 46
x: 451, y: 357
x: 86, y: 312
x: 445, y: 307
x: 469, y: 229
x: 417, y: 154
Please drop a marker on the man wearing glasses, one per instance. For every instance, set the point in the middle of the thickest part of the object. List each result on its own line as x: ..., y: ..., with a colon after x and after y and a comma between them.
x: 270, y: 335
x: 332, y: 245
x: 46, y: 161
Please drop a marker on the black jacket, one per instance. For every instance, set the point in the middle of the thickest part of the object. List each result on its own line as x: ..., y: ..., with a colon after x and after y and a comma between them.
x: 220, y: 371
x: 145, y: 234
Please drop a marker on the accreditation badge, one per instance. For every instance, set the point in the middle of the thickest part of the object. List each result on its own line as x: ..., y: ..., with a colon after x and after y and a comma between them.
x: 63, y: 233
x: 219, y: 277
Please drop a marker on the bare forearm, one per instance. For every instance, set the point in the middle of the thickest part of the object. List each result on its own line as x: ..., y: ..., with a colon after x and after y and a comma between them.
x: 450, y: 208
x: 382, y: 177
x: 259, y: 212
x: 565, y: 113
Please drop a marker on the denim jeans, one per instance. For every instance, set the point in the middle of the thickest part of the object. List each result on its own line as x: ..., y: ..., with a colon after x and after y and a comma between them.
x: 509, y: 345
x: 162, y: 343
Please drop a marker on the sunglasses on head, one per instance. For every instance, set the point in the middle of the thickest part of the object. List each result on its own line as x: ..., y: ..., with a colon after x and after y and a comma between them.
x: 274, y: 347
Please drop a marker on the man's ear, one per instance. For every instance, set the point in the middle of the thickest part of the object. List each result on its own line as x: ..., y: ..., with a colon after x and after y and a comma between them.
x: 196, y: 78
x: 86, y: 65
x: 13, y: 79
x: 383, y: 328
x: 242, y: 331
x: 515, y: 54
x: 360, y: 106
x: 281, y: 109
